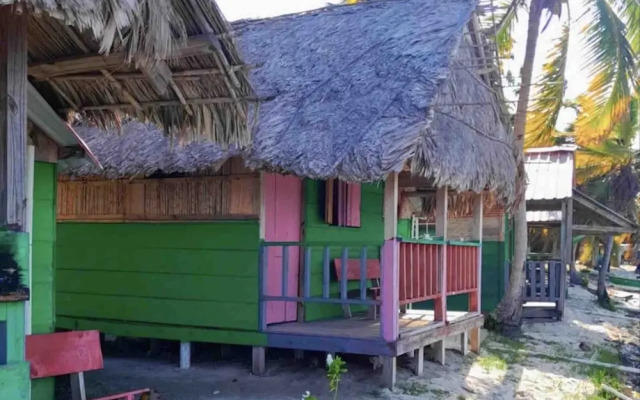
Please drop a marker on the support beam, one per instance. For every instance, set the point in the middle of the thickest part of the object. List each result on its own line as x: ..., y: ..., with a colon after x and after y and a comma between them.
x: 442, y: 214
x: 13, y: 118
x: 389, y: 372
x: 77, y: 386
x: 390, y: 291
x: 258, y: 361
x: 185, y: 355
x: 464, y: 343
x: 420, y: 361
x: 475, y: 298
x: 567, y: 251
x: 196, y: 46
x: 437, y: 352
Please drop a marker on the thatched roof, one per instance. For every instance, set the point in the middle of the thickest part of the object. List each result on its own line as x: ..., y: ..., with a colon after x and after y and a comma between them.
x: 361, y: 89
x: 172, y: 63
x: 357, y: 91
x: 143, y: 150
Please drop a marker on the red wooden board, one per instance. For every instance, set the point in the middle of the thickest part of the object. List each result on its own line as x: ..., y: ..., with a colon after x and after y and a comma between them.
x: 353, y: 269
x: 63, y: 353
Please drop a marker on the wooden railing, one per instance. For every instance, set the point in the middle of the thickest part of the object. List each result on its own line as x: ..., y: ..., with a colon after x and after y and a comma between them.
x: 325, y: 262
x: 462, y: 267
x: 420, y: 274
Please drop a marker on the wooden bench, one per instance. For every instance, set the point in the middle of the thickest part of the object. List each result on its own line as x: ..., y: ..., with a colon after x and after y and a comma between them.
x: 70, y: 353
x: 374, y: 274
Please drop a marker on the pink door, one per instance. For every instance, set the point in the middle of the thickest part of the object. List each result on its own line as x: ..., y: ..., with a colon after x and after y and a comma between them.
x: 283, y: 217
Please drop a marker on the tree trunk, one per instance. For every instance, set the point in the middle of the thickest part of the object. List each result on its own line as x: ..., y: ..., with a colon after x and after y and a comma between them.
x: 603, y: 296
x: 509, y: 313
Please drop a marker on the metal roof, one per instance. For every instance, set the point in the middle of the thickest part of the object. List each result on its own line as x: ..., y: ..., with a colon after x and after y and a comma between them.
x: 550, y: 173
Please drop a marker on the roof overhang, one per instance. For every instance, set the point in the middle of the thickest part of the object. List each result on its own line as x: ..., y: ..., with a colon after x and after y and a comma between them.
x: 44, y: 117
x: 547, y: 213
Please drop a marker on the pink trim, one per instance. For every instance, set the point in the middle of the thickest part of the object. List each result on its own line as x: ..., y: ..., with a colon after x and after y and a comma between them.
x: 125, y: 396
x: 389, y: 292
x: 283, y: 217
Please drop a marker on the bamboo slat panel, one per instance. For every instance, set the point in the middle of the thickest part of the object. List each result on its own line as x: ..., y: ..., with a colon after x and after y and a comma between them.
x: 173, y: 199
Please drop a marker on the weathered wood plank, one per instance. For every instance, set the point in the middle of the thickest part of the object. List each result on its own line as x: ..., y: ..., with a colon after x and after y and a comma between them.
x: 13, y: 117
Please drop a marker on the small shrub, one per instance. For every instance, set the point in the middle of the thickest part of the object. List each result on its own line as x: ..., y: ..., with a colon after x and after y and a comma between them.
x: 492, y: 362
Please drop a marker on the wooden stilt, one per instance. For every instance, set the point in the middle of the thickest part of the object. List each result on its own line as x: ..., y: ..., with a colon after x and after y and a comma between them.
x: 420, y: 362
x: 474, y: 336
x: 185, y: 355
x: 464, y: 343
x: 225, y: 351
x: 258, y: 364
x: 298, y: 354
x: 77, y: 387
x: 437, y: 352
x: 389, y: 372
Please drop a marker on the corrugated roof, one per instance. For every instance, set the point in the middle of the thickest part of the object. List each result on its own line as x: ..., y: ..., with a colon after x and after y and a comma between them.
x: 544, y: 216
x: 550, y: 173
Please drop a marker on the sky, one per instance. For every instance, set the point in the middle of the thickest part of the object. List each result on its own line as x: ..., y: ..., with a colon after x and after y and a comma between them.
x: 577, y: 77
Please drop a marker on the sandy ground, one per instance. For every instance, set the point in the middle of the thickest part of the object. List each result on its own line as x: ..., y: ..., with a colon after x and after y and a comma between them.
x: 501, y: 371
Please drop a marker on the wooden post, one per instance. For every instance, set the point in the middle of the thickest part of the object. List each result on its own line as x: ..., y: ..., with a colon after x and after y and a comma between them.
x: 464, y: 343
x: 13, y: 117
x: 420, y: 361
x: 567, y: 251
x: 389, y: 372
x: 77, y: 387
x: 258, y: 361
x: 475, y: 298
x: 185, y: 355
x: 390, y: 285
x: 442, y: 212
x: 437, y: 352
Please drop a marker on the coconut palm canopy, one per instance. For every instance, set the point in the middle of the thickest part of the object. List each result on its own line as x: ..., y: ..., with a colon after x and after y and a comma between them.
x: 167, y: 62
x: 357, y: 91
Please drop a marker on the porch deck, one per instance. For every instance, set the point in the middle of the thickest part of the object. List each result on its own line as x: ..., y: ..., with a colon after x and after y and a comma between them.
x: 361, y: 335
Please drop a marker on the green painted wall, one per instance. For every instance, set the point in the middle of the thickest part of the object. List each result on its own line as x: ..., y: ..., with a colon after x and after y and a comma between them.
x: 43, y: 263
x: 371, y: 232
x: 14, y: 376
x: 170, y: 280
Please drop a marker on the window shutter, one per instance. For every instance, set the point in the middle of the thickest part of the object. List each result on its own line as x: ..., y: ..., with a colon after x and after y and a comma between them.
x: 342, y: 203
x: 354, y: 201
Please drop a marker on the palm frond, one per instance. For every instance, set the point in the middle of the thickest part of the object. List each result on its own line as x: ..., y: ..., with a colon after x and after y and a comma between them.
x: 613, y: 71
x: 504, y: 30
x: 630, y: 13
x: 541, y: 122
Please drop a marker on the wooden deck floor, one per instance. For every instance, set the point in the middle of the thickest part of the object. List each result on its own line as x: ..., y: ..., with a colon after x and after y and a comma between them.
x: 361, y: 327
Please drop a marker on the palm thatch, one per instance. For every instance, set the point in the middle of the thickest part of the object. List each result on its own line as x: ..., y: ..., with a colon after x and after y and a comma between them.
x: 142, y: 150
x: 356, y: 92
x: 172, y: 63
x: 359, y: 90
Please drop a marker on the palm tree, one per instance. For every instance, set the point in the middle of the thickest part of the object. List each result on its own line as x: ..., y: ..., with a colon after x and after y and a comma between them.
x: 612, y: 37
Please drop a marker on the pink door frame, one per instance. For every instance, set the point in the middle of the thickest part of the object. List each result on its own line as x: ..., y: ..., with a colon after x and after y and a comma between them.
x: 283, y: 223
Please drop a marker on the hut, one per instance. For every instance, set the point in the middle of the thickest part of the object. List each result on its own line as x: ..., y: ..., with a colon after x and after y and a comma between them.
x: 558, y: 208
x: 362, y: 103
x: 104, y: 62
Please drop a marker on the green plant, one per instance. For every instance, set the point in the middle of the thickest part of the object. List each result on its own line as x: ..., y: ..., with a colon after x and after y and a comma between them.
x: 335, y: 370
x: 492, y: 362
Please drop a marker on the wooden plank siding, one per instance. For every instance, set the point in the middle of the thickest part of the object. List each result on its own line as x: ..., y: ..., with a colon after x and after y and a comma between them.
x: 160, y: 280
x: 317, y: 230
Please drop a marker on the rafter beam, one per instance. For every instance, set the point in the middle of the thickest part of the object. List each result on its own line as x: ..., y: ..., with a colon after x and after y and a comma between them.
x: 192, y: 74
x: 196, y: 46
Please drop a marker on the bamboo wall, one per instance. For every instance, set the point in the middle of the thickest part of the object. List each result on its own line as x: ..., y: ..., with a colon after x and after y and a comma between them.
x: 234, y: 193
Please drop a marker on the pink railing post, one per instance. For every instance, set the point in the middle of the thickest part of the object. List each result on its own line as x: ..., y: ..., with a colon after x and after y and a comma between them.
x: 390, y: 291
